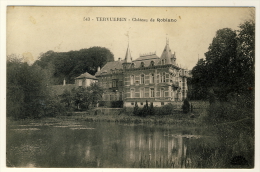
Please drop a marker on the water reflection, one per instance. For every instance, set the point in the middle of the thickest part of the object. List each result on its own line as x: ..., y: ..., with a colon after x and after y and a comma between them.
x: 108, y: 145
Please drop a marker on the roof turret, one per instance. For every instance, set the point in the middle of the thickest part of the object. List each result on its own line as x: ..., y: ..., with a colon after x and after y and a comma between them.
x: 128, y: 58
x: 167, y: 54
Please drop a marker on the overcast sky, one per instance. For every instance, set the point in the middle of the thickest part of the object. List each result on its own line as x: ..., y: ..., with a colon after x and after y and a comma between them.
x: 35, y: 30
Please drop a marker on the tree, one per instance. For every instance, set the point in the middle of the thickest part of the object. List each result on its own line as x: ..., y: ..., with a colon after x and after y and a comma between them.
x: 71, y: 64
x: 199, y: 80
x: 151, y: 110
x: 186, y: 106
x: 96, y: 93
x: 67, y: 98
x: 136, y: 109
x: 26, y: 89
x: 229, y: 64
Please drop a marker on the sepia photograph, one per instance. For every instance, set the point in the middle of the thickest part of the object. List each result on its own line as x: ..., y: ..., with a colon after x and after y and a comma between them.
x: 130, y: 87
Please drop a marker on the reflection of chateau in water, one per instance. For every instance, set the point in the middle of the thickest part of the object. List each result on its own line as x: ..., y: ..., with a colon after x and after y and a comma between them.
x: 157, y: 148
x: 133, y: 147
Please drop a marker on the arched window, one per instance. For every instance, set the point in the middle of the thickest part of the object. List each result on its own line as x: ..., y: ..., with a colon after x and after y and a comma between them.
x: 141, y: 92
x: 142, y: 64
x: 163, y: 77
x: 132, y: 93
x: 151, y: 78
x: 163, y: 62
x: 151, y: 92
x: 132, y: 79
x: 142, y: 79
x: 162, y: 92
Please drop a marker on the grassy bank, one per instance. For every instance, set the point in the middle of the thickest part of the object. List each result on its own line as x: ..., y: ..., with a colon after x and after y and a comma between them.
x: 120, y: 116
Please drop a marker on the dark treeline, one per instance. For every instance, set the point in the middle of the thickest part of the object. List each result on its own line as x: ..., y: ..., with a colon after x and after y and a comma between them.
x: 229, y: 66
x: 226, y: 77
x: 68, y: 65
x: 29, y: 92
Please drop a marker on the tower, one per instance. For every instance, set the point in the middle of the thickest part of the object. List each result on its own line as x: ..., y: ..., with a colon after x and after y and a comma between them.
x: 167, y: 57
x: 128, y: 59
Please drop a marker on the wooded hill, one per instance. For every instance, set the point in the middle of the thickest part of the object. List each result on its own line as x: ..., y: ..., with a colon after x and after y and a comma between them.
x: 69, y: 65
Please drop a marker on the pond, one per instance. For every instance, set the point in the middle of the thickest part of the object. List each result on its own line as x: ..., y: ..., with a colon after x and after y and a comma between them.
x: 114, y: 145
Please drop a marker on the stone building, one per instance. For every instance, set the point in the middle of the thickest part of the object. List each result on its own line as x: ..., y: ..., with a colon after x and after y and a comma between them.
x: 85, y: 79
x: 149, y: 77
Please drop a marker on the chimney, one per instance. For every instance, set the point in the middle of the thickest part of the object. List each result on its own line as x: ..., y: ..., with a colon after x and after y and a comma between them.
x: 119, y: 59
x: 98, y: 69
x: 64, y: 82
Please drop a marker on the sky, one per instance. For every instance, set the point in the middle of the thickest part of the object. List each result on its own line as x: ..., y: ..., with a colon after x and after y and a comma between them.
x: 35, y: 30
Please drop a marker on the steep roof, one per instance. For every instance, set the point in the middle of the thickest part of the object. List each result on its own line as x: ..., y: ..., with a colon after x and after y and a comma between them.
x: 128, y: 58
x: 110, y: 65
x: 147, y: 57
x: 167, y: 53
x: 86, y: 75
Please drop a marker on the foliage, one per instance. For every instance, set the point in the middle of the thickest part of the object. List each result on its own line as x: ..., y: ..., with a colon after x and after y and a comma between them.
x: 151, y: 110
x: 186, y: 106
x: 27, y: 91
x: 136, y: 109
x: 240, y: 107
x: 84, y: 97
x: 67, y: 98
x: 117, y: 104
x: 164, y: 110
x: 229, y: 64
x: 71, y: 64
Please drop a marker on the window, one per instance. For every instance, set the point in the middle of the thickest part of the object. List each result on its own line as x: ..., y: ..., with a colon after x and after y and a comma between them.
x: 151, y: 92
x: 141, y: 92
x: 80, y: 82
x: 110, y: 97
x: 132, y: 65
x: 142, y: 64
x: 114, y: 83
x: 152, y: 63
x: 162, y: 92
x: 152, y: 78
x: 120, y: 96
x: 142, y: 79
x: 141, y: 103
x: 163, y: 77
x: 163, y: 62
x: 132, y: 79
x: 132, y: 103
x: 162, y: 103
x: 132, y: 92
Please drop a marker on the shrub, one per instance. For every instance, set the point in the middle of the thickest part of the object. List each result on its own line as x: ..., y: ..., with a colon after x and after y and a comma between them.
x: 231, y: 111
x: 151, y: 110
x: 164, y: 110
x: 136, y: 109
x: 186, y: 106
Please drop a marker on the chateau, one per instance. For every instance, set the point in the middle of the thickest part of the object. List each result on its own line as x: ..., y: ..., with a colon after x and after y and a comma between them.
x: 148, y: 78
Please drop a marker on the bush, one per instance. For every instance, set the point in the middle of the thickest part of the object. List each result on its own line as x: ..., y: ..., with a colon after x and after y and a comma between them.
x: 136, y: 109
x: 186, y: 106
x: 241, y: 108
x: 117, y: 104
x: 164, y: 110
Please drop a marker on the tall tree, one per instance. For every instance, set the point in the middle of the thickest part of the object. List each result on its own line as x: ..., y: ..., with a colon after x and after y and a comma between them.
x: 71, y: 64
x: 229, y: 64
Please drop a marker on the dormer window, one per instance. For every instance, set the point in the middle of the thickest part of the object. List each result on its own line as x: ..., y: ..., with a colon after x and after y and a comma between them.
x: 163, y: 62
x: 152, y: 63
x: 142, y: 64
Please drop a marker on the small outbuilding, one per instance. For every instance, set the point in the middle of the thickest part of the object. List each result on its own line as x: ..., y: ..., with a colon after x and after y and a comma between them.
x: 85, y: 79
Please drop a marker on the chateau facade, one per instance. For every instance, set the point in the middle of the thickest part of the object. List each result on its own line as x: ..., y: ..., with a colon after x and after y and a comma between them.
x: 155, y: 79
